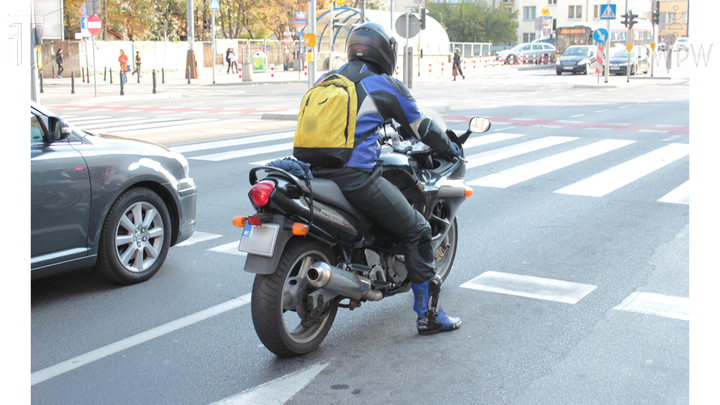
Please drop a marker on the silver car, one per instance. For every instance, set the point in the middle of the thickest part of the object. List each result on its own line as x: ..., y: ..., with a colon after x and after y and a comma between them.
x: 519, y: 53
x: 114, y: 204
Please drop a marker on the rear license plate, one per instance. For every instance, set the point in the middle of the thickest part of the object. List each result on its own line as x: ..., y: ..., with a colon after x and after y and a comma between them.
x: 614, y: 68
x: 259, y: 240
x: 568, y: 68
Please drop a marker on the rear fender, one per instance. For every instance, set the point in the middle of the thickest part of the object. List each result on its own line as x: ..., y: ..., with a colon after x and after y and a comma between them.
x: 267, y: 265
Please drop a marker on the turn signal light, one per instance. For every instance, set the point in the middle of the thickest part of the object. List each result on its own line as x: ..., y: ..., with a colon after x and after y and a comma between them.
x: 239, y: 221
x: 260, y: 192
x: 468, y: 192
x: 299, y: 229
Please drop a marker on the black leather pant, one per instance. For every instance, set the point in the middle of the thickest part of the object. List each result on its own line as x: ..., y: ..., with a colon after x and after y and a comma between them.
x: 380, y: 200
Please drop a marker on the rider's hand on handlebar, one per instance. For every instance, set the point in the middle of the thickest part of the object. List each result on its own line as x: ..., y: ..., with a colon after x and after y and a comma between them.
x: 455, y: 152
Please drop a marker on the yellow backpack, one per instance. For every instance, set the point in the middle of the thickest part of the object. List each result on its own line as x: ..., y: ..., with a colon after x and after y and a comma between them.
x: 325, y: 133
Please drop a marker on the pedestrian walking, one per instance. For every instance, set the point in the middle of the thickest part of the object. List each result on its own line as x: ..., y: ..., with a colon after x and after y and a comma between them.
x: 123, y: 59
x: 456, y: 65
x: 227, y: 59
x: 59, y: 61
x: 138, y: 62
x: 233, y: 61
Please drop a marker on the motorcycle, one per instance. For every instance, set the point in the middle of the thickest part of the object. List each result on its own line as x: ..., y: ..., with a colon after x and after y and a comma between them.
x: 312, y: 252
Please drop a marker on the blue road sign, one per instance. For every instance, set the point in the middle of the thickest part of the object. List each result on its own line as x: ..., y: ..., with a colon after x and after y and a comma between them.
x: 600, y: 35
x: 215, y: 5
x: 83, y: 23
x: 608, y: 11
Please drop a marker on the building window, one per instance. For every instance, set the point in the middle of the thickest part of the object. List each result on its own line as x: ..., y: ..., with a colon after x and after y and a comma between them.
x: 528, y: 13
x: 596, y: 12
x: 528, y: 36
x: 552, y: 2
x: 574, y: 12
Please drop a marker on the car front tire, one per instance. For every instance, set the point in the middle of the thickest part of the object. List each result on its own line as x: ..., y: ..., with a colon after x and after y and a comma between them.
x: 135, y: 237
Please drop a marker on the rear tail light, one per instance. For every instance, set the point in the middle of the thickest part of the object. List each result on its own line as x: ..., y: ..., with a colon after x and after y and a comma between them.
x: 260, y: 192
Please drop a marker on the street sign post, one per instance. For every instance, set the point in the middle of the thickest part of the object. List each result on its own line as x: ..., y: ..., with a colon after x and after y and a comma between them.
x: 608, y: 12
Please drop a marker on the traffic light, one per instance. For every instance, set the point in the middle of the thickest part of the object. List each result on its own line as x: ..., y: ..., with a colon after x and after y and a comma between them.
x: 632, y: 18
x: 624, y: 20
x: 206, y: 25
x: 422, y: 18
x: 656, y: 13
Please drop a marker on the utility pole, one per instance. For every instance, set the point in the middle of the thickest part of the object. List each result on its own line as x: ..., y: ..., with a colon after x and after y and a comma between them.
x: 191, y: 63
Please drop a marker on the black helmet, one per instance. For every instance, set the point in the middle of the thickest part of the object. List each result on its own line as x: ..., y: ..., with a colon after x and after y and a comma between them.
x: 372, y: 43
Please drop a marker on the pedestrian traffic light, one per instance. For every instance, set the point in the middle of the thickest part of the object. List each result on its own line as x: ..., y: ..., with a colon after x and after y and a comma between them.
x: 206, y: 25
x: 422, y: 18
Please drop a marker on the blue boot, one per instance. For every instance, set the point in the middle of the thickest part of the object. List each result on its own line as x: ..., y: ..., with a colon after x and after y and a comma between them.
x: 431, y: 318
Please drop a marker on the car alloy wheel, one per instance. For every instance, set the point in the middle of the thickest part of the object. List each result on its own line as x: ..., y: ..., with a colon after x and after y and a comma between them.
x: 135, y: 238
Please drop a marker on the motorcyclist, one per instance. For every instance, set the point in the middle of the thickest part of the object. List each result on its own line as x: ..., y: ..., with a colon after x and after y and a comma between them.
x: 381, y: 98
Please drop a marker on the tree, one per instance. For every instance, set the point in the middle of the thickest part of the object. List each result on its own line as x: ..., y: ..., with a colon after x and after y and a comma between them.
x: 474, y: 21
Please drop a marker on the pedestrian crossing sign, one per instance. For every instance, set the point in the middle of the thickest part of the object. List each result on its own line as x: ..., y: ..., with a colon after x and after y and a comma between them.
x: 214, y: 4
x: 607, y: 11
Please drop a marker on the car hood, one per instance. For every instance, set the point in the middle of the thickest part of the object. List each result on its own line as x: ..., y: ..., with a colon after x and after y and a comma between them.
x: 572, y: 58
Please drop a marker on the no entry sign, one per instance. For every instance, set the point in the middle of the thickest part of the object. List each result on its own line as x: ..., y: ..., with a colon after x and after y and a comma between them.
x: 94, y: 25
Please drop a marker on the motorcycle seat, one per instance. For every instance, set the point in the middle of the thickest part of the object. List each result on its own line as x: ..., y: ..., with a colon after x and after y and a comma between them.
x: 327, y: 191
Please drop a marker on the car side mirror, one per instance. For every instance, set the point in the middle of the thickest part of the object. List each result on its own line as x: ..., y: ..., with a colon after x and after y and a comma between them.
x: 59, y: 129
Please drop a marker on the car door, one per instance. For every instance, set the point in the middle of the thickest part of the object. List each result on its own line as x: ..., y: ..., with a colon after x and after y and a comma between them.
x: 60, y: 197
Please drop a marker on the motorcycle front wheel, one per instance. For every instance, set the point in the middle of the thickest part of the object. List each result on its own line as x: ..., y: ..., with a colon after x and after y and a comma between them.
x: 445, y: 253
x: 279, y: 302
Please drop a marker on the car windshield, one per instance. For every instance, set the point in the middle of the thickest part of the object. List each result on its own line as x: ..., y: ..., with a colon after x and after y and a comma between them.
x: 576, y: 50
x: 622, y: 53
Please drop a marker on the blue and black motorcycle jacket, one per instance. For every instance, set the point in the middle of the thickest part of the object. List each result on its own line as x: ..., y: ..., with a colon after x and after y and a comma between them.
x: 380, y: 99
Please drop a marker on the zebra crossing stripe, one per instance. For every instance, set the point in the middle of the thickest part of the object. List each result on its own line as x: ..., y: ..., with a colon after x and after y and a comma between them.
x: 115, y: 125
x: 680, y: 195
x: 198, y: 237
x: 530, y: 287
x: 229, y: 248
x: 657, y: 304
x: 624, y: 174
x: 484, y: 158
x: 217, y: 157
x: 163, y: 125
x: 488, y: 139
x: 232, y: 142
x: 540, y: 167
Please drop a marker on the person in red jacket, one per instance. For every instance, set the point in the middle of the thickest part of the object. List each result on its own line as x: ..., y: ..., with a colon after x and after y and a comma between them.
x: 123, y: 59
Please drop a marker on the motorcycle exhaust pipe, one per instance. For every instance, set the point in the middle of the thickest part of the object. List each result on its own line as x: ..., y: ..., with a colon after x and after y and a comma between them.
x: 345, y: 283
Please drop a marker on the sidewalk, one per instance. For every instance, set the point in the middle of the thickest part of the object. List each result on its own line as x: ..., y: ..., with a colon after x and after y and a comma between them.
x: 59, y: 91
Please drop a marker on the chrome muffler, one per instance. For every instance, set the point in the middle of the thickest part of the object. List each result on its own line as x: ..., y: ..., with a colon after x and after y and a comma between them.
x: 345, y: 283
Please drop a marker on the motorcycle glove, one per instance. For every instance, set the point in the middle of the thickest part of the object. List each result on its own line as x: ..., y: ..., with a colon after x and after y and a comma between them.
x: 433, y: 135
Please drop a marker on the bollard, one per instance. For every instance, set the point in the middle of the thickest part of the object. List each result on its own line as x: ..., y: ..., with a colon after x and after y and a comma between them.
x: 82, y: 73
x: 53, y: 71
x: 110, y: 75
x: 72, y: 82
x: 187, y: 73
x: 138, y: 74
x: 163, y: 75
x: 240, y: 71
x: 105, y: 74
x: 122, y: 89
x: 154, y: 83
x: 41, y: 81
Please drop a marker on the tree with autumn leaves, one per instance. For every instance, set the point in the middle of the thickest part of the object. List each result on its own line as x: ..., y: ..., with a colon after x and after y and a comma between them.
x: 144, y: 20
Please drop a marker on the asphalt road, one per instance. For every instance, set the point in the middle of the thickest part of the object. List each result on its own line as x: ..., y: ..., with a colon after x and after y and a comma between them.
x: 571, y: 277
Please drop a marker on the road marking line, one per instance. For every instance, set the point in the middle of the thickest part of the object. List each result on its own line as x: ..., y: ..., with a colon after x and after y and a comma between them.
x: 198, y: 237
x: 667, y: 306
x: 119, y: 124
x: 671, y: 138
x: 578, y: 115
x: 231, y: 142
x: 624, y: 174
x: 659, y: 131
x: 546, y: 165
x: 229, y: 248
x: 531, y: 287
x: 681, y: 195
x: 277, y: 391
x: 87, y: 358
x: 484, y: 158
x: 181, y: 125
x: 162, y: 125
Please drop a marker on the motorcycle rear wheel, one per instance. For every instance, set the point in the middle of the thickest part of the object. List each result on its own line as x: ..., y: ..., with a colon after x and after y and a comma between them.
x: 279, y: 299
x: 445, y: 254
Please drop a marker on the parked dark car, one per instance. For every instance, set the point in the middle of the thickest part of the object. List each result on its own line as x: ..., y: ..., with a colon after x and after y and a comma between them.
x: 111, y: 203
x: 638, y: 61
x: 577, y: 59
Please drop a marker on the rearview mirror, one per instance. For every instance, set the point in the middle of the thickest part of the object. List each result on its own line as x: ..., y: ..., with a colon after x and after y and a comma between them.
x: 479, y: 124
x: 59, y: 129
